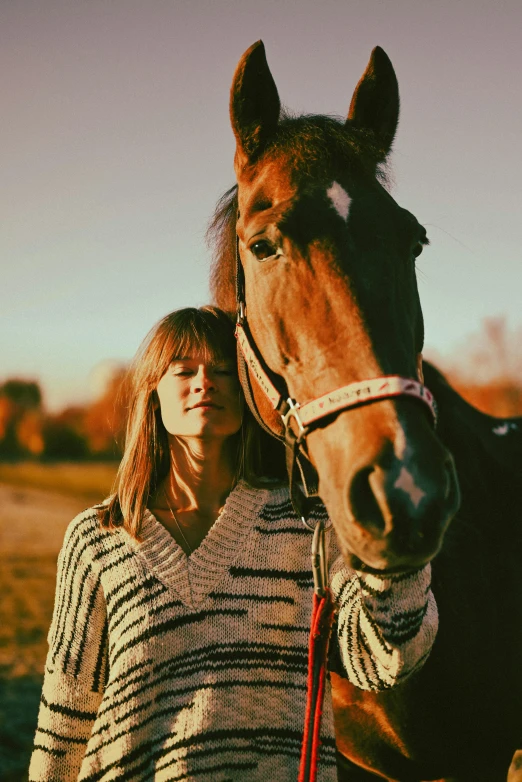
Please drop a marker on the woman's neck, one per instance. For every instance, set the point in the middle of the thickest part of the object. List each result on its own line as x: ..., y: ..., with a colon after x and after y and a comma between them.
x: 202, y: 473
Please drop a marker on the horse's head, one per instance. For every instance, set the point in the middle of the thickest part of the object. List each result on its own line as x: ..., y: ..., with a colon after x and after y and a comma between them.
x: 331, y: 298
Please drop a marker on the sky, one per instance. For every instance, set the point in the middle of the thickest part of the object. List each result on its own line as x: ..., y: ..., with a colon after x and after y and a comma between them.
x: 115, y: 145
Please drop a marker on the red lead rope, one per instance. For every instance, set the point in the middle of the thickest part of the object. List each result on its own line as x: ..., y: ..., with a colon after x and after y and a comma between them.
x: 322, y: 619
x: 320, y: 627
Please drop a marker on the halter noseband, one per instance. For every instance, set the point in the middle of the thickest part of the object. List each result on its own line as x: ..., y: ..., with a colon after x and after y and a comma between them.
x: 310, y: 413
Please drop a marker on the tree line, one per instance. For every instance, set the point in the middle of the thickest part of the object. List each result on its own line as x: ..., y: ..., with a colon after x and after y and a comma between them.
x: 486, y: 369
x: 92, y: 431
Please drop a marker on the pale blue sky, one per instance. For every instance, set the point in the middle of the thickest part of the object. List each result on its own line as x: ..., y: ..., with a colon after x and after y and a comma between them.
x: 115, y: 145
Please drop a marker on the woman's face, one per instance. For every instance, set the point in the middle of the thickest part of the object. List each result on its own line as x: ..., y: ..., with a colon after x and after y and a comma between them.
x: 199, y: 398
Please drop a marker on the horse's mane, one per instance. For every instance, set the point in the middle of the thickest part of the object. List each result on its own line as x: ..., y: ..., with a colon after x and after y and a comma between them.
x: 221, y: 238
x: 315, y: 144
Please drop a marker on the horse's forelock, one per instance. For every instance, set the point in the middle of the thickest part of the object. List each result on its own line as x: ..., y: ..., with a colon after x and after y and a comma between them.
x: 313, y: 144
x: 316, y: 143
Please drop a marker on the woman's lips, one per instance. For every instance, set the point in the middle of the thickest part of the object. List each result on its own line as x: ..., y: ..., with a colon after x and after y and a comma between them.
x: 206, y: 405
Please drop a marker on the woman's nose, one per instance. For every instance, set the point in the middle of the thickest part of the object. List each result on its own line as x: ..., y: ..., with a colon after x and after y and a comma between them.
x: 203, y: 380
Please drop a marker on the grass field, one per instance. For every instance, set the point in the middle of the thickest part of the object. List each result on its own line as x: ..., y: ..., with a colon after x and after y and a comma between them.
x: 91, y: 481
x: 36, y: 504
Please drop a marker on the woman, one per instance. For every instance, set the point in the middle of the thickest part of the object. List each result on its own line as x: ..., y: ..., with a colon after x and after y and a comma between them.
x: 178, y: 647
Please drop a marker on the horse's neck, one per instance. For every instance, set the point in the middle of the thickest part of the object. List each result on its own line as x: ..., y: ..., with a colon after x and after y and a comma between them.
x: 489, y: 463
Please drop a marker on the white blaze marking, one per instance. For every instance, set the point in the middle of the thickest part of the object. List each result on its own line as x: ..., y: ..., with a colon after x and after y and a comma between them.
x: 406, y: 482
x: 340, y: 200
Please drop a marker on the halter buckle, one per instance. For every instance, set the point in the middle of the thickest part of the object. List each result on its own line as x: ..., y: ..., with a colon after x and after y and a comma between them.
x: 293, y: 412
x: 241, y: 311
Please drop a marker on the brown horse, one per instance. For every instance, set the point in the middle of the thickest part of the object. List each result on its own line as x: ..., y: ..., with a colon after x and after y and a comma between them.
x: 328, y: 261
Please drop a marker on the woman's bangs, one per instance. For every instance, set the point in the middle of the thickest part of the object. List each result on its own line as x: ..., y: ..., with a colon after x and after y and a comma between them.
x: 207, y: 336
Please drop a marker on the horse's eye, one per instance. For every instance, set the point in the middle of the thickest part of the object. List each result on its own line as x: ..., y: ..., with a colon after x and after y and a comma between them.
x: 263, y: 250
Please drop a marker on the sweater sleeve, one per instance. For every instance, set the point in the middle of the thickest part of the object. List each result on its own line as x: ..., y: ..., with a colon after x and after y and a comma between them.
x: 386, y: 627
x: 76, y: 663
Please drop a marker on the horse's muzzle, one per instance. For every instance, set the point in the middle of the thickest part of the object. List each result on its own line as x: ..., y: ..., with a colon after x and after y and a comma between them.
x: 398, y: 514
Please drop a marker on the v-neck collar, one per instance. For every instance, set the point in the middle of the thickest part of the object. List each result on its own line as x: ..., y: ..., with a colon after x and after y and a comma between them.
x: 195, y: 576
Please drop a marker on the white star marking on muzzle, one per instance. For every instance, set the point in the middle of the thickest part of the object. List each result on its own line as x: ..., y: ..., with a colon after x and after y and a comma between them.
x: 340, y: 200
x: 406, y: 483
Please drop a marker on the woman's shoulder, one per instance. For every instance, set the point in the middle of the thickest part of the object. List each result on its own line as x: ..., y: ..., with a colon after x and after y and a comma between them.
x: 85, y: 531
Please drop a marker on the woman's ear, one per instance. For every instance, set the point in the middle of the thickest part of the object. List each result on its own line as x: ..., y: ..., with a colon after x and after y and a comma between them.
x: 155, y: 400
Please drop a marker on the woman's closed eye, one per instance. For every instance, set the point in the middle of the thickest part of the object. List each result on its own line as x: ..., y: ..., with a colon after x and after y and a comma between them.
x: 228, y: 370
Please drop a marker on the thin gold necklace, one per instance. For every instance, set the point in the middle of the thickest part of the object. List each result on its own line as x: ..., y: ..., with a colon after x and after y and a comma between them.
x: 178, y: 525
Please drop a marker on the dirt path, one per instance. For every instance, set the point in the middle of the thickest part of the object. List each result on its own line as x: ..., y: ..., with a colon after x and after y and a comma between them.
x: 32, y: 525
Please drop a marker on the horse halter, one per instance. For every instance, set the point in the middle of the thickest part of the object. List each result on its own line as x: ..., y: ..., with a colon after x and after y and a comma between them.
x: 299, y: 418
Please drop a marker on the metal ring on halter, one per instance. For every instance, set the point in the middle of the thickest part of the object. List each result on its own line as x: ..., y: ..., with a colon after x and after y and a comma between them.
x: 313, y: 527
x: 293, y: 412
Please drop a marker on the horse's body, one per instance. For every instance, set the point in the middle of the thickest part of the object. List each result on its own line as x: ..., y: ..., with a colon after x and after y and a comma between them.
x: 460, y: 717
x: 331, y: 299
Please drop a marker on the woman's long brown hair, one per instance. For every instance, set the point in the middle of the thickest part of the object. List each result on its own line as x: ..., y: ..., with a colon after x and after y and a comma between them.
x: 146, y: 458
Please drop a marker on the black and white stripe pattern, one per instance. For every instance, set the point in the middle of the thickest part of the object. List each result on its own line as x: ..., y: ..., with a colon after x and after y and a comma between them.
x: 385, y: 626
x: 163, y: 667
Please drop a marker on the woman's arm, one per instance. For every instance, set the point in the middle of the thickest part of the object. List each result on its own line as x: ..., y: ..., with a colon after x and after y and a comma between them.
x: 76, y: 663
x: 385, y: 626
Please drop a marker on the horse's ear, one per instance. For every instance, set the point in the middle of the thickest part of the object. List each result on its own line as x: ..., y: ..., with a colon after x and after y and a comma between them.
x: 375, y: 102
x: 254, y: 103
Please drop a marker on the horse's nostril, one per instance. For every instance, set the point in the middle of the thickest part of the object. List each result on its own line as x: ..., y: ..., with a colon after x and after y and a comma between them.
x: 363, y: 504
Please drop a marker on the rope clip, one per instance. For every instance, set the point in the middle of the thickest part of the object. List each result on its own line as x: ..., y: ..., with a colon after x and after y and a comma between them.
x: 319, y: 563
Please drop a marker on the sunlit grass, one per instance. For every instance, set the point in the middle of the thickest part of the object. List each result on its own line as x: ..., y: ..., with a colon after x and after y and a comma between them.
x: 89, y: 480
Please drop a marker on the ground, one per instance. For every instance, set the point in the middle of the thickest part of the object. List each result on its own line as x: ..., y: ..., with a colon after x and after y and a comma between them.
x: 36, y: 504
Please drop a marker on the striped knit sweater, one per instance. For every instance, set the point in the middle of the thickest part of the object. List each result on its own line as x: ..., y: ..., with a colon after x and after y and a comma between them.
x: 167, y: 667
